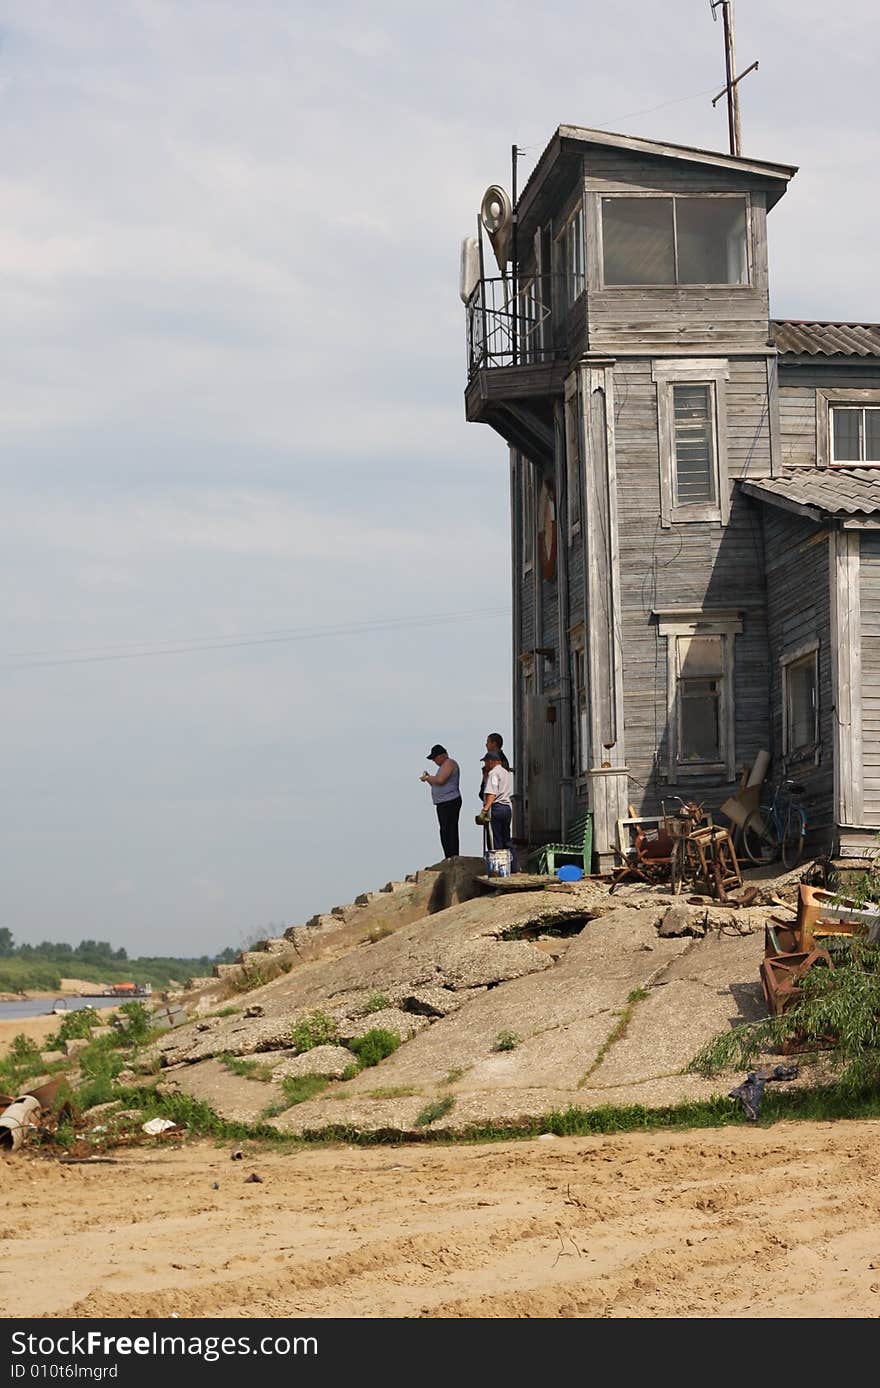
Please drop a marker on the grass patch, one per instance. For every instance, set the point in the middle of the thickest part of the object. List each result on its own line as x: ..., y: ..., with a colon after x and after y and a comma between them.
x: 298, y: 1088
x: 257, y: 975
x: 456, y: 1074
x: 825, y: 1104
x: 506, y: 1041
x: 247, y: 1068
x: 317, y: 1029
x: 21, y: 1063
x: 226, y: 1012
x: 374, y: 1046
x: 376, y: 1002
x: 617, y: 1032
x: 379, y: 932
x: 438, y: 1109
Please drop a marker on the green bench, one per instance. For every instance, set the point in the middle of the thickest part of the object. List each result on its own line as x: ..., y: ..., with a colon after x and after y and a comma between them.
x: 578, y: 849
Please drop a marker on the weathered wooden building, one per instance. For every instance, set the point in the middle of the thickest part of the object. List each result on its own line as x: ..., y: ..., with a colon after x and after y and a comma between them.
x: 695, y: 497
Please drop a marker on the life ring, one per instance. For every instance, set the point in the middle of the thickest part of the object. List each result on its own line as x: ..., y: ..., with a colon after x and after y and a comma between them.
x: 547, y: 530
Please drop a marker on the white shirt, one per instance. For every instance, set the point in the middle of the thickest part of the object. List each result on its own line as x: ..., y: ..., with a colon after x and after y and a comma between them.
x: 499, y: 783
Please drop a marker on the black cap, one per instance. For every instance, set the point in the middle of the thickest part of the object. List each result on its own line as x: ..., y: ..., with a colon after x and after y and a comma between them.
x: 492, y: 755
x: 436, y: 751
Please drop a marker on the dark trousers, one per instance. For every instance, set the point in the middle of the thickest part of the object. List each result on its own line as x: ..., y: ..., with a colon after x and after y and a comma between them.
x: 447, y: 814
x: 500, y: 819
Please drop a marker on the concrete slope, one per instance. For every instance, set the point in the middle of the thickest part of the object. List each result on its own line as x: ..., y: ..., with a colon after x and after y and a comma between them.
x: 507, y: 1006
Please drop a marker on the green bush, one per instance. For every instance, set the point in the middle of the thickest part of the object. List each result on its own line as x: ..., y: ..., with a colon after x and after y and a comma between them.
x: 315, y: 1030
x: 506, y: 1041
x: 21, y: 1062
x: 431, y: 1112
x: 374, y: 1045
x: 75, y: 1025
x: 298, y: 1088
x: 376, y: 1002
x: 138, y: 1023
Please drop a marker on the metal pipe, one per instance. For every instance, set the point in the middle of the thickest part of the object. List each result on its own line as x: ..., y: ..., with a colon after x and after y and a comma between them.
x: 16, y: 1120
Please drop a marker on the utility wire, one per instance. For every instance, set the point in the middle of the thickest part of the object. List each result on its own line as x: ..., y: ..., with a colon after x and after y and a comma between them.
x: 293, y: 635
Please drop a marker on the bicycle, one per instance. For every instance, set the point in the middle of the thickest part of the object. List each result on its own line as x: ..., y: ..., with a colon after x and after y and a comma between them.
x: 777, y: 830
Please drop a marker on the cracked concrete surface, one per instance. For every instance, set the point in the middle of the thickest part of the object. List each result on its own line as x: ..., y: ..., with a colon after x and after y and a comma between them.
x: 592, y: 1008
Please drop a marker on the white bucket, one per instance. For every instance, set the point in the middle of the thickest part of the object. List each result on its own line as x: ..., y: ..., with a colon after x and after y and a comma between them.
x: 498, y: 862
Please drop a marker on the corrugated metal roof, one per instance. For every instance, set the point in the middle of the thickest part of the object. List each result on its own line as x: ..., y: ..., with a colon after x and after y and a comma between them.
x: 801, y: 339
x: 821, y: 492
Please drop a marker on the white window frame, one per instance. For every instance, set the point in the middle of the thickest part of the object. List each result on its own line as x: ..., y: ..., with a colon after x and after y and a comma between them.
x: 825, y: 402
x: 672, y: 197
x: 834, y: 401
x: 573, y: 463
x: 529, y: 320
x: 528, y: 533
x: 572, y: 248
x: 713, y: 372
x: 809, y: 651
x: 674, y: 623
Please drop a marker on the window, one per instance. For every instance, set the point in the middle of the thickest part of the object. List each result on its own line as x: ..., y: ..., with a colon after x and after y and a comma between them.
x: 699, y: 674
x: 691, y: 414
x: 573, y: 463
x: 529, y: 321
x: 527, y: 494
x: 573, y: 250
x: 855, y: 434
x: 675, y: 240
x: 694, y: 472
x: 699, y: 692
x: 800, y: 704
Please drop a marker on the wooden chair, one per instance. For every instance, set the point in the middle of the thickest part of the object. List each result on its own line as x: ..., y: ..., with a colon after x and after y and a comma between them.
x: 578, y: 849
x: 650, y: 859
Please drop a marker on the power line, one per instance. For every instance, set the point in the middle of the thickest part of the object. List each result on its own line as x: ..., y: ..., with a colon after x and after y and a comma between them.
x: 283, y: 636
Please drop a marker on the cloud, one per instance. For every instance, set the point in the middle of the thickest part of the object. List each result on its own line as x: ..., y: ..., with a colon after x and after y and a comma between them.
x: 231, y: 384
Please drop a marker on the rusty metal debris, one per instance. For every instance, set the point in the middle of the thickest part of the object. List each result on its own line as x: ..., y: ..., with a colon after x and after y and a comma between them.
x: 782, y: 974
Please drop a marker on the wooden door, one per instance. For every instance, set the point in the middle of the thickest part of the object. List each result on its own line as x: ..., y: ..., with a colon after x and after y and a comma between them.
x: 542, y: 771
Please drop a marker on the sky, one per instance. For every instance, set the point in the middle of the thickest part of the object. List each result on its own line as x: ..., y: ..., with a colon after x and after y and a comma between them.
x: 254, y: 561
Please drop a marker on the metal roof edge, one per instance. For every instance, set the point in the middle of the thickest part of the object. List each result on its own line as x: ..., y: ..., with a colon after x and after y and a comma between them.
x: 775, y: 499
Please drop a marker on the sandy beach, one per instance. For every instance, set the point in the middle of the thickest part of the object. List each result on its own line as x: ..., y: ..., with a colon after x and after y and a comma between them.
x: 724, y: 1223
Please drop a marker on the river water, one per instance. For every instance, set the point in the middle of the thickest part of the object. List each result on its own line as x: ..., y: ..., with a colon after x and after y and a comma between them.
x: 38, y: 1007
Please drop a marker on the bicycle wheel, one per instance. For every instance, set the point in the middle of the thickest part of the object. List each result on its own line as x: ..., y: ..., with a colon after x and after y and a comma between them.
x: 793, y: 838
x: 759, y: 836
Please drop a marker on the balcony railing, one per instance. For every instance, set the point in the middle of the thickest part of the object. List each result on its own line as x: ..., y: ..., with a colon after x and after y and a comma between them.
x: 507, y: 331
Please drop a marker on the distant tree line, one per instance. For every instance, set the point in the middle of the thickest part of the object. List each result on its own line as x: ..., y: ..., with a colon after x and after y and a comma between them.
x: 42, y: 967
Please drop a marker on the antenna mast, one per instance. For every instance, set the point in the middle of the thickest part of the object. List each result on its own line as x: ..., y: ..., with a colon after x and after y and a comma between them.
x: 731, y: 87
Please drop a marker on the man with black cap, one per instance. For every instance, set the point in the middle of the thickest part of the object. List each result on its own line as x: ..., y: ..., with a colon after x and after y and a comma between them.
x: 446, y: 796
x: 497, y: 808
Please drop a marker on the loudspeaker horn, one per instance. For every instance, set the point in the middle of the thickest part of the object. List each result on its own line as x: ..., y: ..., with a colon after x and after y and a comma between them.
x: 469, y: 271
x: 496, y: 215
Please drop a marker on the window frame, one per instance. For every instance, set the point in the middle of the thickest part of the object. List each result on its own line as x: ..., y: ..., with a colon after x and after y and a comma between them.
x: 800, y: 655
x: 676, y: 284
x: 564, y: 241
x: 714, y: 373
x: 861, y: 408
x: 675, y: 623
x: 826, y: 399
